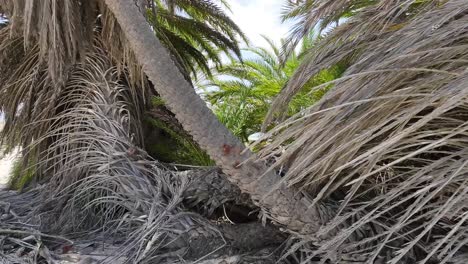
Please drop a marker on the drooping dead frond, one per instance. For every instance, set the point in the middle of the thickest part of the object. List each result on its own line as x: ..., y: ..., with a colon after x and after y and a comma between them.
x: 370, y: 21
x: 33, y: 72
x: 76, y: 112
x: 83, y: 133
x: 99, y: 180
x: 63, y: 30
x: 389, y: 141
x: 60, y: 29
x: 118, y: 48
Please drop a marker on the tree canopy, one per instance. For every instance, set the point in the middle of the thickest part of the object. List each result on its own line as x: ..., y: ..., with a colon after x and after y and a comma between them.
x: 241, y: 92
x: 196, y: 32
x: 363, y: 159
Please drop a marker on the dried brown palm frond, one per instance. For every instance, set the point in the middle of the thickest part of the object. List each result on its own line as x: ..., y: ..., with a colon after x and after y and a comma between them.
x: 39, y: 46
x: 100, y: 181
x: 370, y: 21
x: 97, y: 180
x: 63, y: 30
x: 96, y: 168
x: 119, y: 49
x: 80, y: 122
x: 389, y: 142
x: 56, y: 27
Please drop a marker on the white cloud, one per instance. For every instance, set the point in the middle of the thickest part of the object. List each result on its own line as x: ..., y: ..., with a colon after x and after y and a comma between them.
x: 259, y: 17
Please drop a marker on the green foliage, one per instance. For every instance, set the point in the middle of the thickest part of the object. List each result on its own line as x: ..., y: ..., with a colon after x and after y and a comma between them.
x: 242, y: 92
x: 196, y: 32
x: 157, y: 101
x: 22, y: 173
x: 326, y: 18
x: 172, y: 147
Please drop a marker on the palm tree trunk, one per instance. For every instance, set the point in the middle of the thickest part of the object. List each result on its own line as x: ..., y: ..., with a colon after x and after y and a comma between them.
x: 284, y: 206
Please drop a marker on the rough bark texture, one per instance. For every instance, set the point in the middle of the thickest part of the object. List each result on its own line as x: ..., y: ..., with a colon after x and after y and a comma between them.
x: 209, y: 190
x: 282, y: 204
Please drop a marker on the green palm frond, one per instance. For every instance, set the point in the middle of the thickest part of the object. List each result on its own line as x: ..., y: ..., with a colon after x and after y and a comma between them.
x: 244, y: 90
x: 184, y: 53
x: 203, y: 25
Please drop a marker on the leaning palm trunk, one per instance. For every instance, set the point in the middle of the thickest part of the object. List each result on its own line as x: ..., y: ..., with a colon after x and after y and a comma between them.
x: 58, y: 34
x: 281, y: 204
x: 101, y: 181
x: 73, y: 96
x: 97, y: 177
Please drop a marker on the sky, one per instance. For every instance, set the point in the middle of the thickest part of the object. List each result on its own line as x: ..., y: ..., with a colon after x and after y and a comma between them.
x: 257, y: 17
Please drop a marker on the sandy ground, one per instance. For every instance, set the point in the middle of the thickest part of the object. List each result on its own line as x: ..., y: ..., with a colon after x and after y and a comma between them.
x: 5, y: 168
x: 5, y: 165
